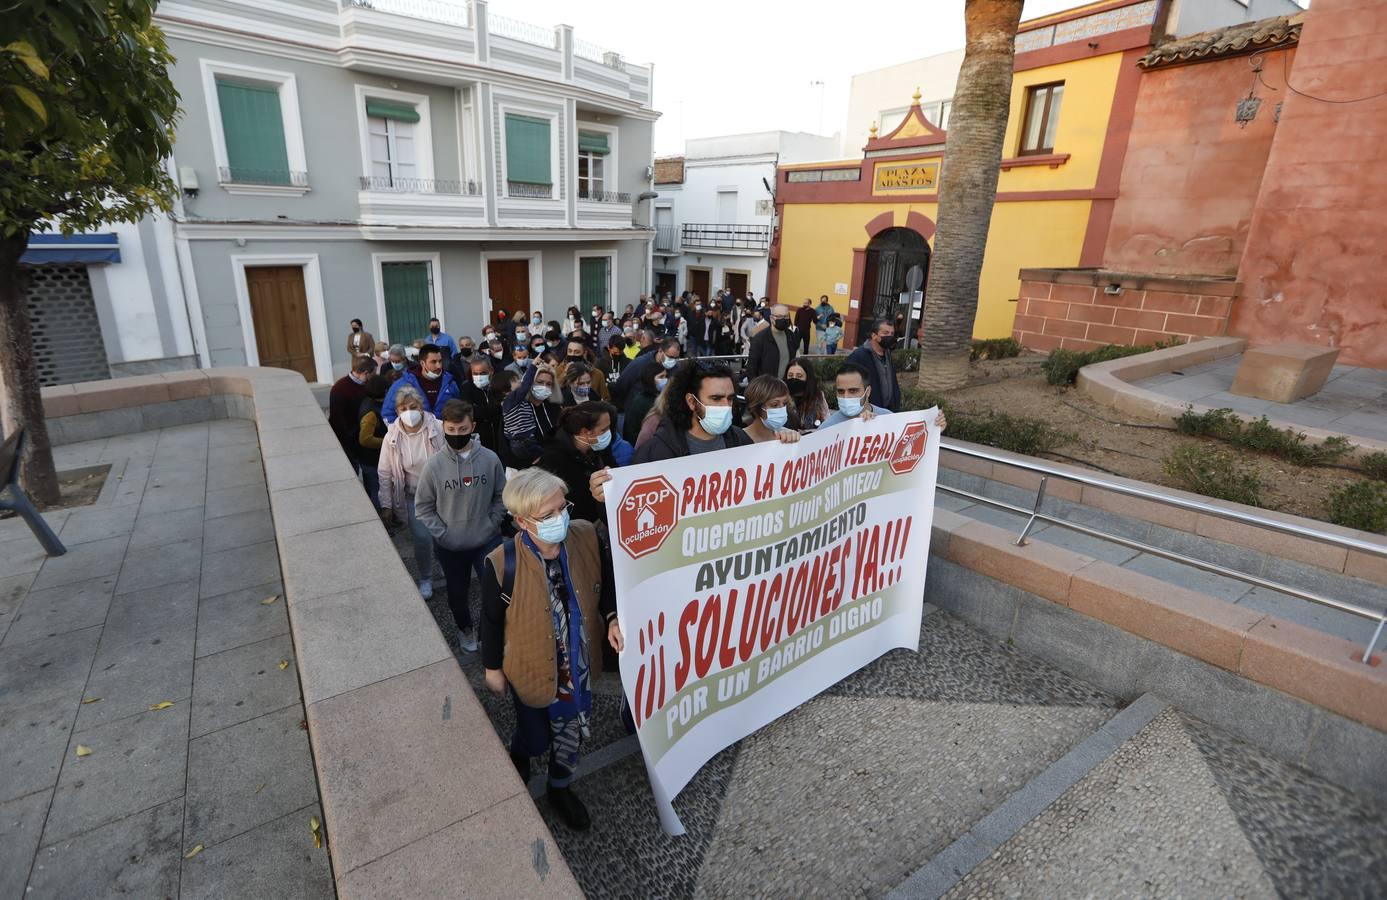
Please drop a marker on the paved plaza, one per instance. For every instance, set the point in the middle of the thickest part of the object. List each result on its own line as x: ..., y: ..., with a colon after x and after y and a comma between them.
x: 149, y: 697
x: 1352, y: 402
x: 974, y: 751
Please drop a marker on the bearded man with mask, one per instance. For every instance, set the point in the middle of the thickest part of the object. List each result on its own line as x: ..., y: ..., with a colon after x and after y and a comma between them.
x: 874, y: 358
x: 772, y: 349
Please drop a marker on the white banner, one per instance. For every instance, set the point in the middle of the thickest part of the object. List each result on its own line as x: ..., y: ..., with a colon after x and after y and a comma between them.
x: 749, y: 580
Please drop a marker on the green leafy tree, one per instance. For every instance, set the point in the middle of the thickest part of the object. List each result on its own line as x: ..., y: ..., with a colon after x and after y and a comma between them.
x: 967, y: 190
x: 86, y: 121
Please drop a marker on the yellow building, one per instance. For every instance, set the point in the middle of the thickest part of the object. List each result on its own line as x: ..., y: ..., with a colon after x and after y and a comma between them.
x: 852, y: 229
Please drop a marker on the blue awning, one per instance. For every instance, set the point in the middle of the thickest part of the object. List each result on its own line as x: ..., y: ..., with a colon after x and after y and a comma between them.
x: 48, y: 249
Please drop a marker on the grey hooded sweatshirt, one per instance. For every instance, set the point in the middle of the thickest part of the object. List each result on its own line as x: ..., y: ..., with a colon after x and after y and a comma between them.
x: 459, y: 498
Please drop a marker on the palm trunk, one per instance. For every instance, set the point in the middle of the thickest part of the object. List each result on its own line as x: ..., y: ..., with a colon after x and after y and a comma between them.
x: 968, y: 190
x: 23, y: 403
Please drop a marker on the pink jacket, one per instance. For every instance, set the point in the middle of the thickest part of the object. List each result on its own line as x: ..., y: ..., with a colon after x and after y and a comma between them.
x: 394, y: 490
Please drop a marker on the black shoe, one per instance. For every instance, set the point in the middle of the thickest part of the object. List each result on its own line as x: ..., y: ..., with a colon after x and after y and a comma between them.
x: 522, y: 765
x: 569, y: 808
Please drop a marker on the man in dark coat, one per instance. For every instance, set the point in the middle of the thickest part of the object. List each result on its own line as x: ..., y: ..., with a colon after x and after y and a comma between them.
x: 772, y: 349
x: 874, y: 357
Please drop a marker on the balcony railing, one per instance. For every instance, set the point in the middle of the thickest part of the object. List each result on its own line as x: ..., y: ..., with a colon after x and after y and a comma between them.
x: 603, y: 196
x: 667, y: 238
x: 516, y: 30
x: 450, y: 12
x: 531, y: 191
x: 419, y: 185
x: 727, y: 237
x: 272, y: 177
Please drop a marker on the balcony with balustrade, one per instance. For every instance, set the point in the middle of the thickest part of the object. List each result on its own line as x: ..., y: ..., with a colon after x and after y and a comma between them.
x: 442, y: 31
x: 739, y: 240
x: 392, y: 200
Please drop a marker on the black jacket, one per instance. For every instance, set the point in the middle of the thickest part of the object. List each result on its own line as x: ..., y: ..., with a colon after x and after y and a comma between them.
x: 631, y: 376
x: 574, y: 467
x: 486, y: 413
x: 764, y: 356
x: 672, y: 442
x: 885, y: 395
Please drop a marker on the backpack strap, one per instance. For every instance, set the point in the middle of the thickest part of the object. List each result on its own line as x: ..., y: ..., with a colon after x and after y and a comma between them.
x: 508, y: 575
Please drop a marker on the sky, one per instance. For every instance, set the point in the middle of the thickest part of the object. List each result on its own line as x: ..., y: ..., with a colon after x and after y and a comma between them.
x: 733, y: 66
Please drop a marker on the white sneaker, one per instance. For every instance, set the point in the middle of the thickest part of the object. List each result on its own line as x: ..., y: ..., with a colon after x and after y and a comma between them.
x: 426, y: 588
x: 468, y: 640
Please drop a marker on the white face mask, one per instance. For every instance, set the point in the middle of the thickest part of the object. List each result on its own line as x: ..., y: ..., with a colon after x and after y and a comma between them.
x: 412, y: 417
x: 541, y: 392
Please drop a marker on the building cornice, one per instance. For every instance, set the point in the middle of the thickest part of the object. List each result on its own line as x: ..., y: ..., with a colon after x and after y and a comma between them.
x: 223, y: 230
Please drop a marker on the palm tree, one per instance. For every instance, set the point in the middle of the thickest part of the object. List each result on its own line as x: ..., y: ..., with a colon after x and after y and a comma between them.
x: 968, y: 188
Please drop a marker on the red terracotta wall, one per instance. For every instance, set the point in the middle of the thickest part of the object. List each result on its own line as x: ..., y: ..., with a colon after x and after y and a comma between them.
x: 1315, y: 267
x: 1192, y: 174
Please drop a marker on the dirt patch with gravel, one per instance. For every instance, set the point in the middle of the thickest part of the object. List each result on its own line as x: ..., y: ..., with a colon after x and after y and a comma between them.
x: 1111, y: 442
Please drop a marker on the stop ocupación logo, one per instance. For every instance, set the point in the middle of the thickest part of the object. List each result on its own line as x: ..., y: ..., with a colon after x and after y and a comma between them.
x: 909, y: 449
x: 648, y: 513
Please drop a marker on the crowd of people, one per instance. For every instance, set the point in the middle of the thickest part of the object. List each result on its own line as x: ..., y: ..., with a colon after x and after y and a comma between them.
x: 494, y: 454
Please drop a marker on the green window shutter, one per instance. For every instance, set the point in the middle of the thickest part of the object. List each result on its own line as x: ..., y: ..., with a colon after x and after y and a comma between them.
x: 590, y: 142
x: 254, y: 133
x: 527, y: 150
x: 592, y: 281
x: 385, y: 109
x: 407, y: 300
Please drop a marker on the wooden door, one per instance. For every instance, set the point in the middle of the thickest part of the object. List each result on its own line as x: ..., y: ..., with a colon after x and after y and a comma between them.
x: 508, y: 283
x: 735, y: 282
x: 699, y: 279
x: 279, y: 313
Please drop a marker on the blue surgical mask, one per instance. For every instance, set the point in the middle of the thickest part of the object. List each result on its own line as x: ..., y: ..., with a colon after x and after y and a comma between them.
x: 716, y: 419
x: 482, y: 381
x: 669, y: 362
x: 660, y: 383
x: 850, y: 406
x: 582, y: 392
x: 553, y: 529
x: 776, y: 418
x: 538, y: 349
x: 397, y: 366
x: 604, y: 441
x: 541, y: 392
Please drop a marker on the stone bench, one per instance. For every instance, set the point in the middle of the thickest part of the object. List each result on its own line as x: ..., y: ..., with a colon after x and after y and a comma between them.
x: 1285, y: 372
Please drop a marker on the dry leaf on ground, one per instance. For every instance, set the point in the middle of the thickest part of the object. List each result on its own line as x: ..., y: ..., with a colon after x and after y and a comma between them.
x: 268, y: 600
x: 83, y: 750
x: 162, y: 704
x: 317, y: 834
x: 193, y: 852
x: 283, y: 664
x: 91, y: 700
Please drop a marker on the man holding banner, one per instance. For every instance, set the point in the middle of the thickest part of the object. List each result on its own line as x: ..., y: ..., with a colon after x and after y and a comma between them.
x: 734, y: 570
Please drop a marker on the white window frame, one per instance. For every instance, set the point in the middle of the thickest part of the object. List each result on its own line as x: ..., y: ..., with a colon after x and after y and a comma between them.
x: 469, y: 140
x: 423, y: 132
x: 313, y: 291
x: 435, y: 261
x: 610, y: 167
x: 554, y: 116
x: 287, y: 86
x: 536, y: 258
x: 578, y: 257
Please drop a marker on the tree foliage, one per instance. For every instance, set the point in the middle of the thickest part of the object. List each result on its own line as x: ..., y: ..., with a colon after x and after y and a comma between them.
x: 87, y: 114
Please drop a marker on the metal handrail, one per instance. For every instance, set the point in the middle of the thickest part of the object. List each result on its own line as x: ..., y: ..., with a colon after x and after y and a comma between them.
x: 1047, y: 472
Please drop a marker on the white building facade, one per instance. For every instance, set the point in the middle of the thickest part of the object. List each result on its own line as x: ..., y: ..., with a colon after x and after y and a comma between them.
x: 716, y: 210
x: 387, y: 160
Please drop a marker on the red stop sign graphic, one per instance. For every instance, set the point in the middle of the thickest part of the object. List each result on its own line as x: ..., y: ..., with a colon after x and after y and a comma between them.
x: 647, y: 515
x: 909, y: 449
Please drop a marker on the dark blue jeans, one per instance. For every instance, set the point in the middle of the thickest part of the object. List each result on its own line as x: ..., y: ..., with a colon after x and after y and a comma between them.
x: 532, y: 738
x: 458, y: 566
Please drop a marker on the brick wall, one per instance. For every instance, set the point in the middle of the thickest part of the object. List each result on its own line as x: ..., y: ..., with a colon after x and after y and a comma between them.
x: 1069, y: 308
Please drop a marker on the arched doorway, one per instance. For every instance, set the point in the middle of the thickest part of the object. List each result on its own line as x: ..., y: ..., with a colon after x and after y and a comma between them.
x: 890, y: 255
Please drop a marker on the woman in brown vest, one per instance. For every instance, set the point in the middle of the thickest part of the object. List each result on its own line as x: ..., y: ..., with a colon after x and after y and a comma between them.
x: 545, y: 612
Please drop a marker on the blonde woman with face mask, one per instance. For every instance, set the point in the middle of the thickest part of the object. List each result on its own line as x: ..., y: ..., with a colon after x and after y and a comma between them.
x: 412, y: 438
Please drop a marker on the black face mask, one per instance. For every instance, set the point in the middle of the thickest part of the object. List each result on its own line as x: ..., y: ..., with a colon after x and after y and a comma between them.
x: 435, y: 330
x: 356, y: 329
x: 797, y: 386
x: 464, y: 352
x: 574, y: 359
x: 782, y: 324
x: 457, y: 441
x: 887, y: 343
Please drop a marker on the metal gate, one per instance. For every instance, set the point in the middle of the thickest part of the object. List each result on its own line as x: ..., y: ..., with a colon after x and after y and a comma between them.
x: 67, y: 341
x: 890, y: 256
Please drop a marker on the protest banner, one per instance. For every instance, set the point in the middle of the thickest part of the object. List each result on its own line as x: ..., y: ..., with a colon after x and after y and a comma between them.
x: 749, y: 580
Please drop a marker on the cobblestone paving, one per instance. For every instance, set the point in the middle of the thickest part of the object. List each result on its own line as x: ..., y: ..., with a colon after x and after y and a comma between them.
x: 848, y: 794
x: 148, y: 645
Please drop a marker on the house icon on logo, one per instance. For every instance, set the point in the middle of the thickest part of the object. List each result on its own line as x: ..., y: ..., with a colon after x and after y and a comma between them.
x: 645, y: 520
